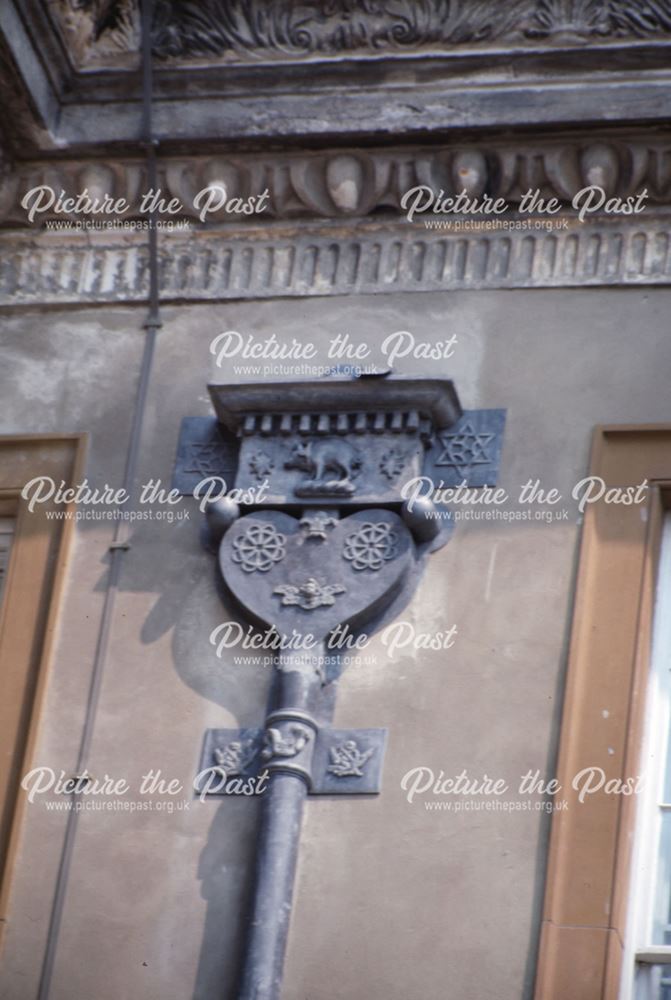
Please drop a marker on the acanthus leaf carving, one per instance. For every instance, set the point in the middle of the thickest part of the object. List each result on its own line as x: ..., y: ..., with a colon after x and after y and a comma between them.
x: 244, y: 30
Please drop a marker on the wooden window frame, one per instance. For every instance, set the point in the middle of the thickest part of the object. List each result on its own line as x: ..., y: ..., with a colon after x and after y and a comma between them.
x: 586, y: 893
x: 28, y: 615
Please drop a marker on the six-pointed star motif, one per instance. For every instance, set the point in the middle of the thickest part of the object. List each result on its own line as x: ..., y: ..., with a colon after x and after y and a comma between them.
x: 464, y: 448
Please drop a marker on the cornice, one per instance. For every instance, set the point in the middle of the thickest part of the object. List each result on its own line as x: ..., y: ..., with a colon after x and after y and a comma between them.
x: 245, y: 30
x: 354, y: 183
x: 330, y: 259
x: 260, y: 73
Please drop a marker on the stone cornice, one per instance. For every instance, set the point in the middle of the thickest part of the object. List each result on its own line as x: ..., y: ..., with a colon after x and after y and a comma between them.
x: 268, y: 71
x: 253, y: 29
x: 356, y: 183
x: 331, y: 259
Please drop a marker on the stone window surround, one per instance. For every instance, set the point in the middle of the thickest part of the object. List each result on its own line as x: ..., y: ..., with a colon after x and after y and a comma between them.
x: 587, y: 881
x: 35, y: 576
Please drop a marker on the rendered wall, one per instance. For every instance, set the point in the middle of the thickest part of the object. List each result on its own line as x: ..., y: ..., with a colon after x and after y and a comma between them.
x: 393, y: 900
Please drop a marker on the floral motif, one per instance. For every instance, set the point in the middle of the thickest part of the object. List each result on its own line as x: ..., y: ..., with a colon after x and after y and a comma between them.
x: 261, y: 464
x: 392, y: 463
x: 259, y: 548
x: 371, y: 546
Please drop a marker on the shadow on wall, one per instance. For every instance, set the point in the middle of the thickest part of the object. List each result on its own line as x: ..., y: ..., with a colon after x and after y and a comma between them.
x: 170, y: 564
x: 226, y: 882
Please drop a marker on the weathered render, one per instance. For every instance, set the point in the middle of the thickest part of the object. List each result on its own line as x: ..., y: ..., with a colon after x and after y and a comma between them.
x: 337, y: 110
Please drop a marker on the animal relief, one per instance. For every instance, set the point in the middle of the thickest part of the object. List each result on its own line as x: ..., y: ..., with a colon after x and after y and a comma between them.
x: 319, y: 458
